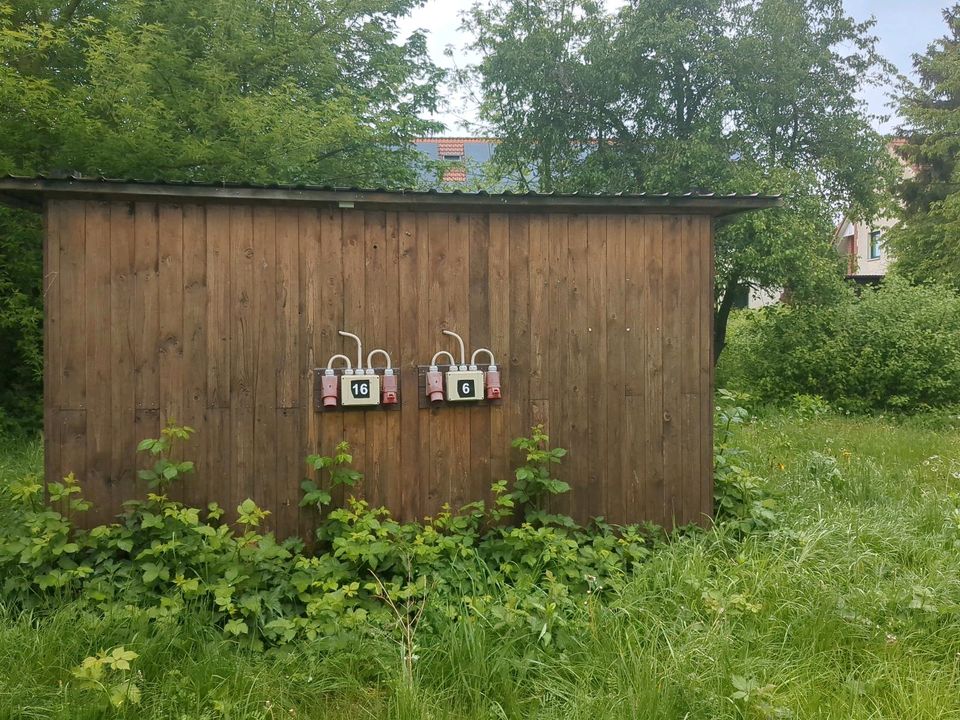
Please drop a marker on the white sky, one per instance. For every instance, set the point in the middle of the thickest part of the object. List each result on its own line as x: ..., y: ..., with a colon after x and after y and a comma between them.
x: 903, y: 27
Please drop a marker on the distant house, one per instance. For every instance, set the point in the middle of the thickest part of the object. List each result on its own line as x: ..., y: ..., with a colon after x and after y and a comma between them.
x: 859, y: 243
x: 465, y: 155
x: 862, y: 244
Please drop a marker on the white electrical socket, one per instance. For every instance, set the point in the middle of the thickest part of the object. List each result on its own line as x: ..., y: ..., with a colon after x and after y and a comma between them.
x: 464, y: 385
x: 359, y: 390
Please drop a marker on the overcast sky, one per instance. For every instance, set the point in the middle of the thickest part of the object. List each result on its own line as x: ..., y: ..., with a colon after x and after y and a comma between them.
x: 903, y: 27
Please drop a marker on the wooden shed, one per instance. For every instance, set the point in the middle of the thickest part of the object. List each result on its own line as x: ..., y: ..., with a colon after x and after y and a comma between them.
x: 213, y: 304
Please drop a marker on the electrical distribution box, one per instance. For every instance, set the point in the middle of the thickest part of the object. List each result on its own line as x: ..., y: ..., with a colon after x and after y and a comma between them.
x: 464, y: 385
x: 359, y: 390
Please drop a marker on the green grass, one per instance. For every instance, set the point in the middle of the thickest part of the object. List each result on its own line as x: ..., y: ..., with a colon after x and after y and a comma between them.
x: 851, y: 609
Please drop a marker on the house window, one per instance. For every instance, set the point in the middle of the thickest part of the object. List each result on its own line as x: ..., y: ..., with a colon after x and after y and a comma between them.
x: 875, y: 245
x: 452, y: 157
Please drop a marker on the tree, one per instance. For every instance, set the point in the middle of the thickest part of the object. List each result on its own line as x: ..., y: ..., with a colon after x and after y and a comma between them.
x: 926, y: 242
x: 673, y: 95
x: 295, y: 91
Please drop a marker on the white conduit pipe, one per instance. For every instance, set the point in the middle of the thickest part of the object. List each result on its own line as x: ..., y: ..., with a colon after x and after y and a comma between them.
x: 463, y: 350
x: 359, y: 349
x: 329, y: 370
x: 473, y: 358
x: 379, y: 351
x: 433, y: 361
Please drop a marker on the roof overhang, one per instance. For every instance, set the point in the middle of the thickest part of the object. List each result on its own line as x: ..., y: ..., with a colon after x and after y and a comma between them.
x: 33, y: 192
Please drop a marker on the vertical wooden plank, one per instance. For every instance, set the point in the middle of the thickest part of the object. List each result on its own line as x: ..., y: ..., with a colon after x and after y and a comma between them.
x: 638, y: 470
x: 123, y: 446
x: 691, y: 287
x: 146, y: 308
x: 291, y: 373
x: 73, y: 337
x: 580, y: 362
x: 219, y: 442
x: 243, y: 354
x: 596, y: 379
x: 614, y: 307
x: 440, y: 316
x: 706, y: 367
x: 170, y: 310
x: 96, y: 302
x: 652, y: 316
x: 672, y: 410
x: 289, y: 368
x: 354, y: 301
x: 539, y: 313
x: 194, y: 355
x: 217, y: 480
x: 457, y: 419
x: 479, y: 267
x: 289, y: 464
x: 412, y: 303
x: 72, y: 439
x: 54, y: 226
x: 392, y: 472
x: 519, y: 357
x: 311, y: 290
x: 372, y: 329
x: 416, y: 498
x: 170, y: 345
x: 219, y: 304
x: 498, y: 263
x: 331, y: 319
x: 556, y: 340
x: 266, y: 355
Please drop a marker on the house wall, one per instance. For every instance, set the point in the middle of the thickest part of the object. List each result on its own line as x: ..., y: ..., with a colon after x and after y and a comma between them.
x: 215, y: 315
x: 859, y: 262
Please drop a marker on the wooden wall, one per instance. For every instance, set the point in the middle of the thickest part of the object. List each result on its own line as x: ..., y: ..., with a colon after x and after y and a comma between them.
x: 214, y: 315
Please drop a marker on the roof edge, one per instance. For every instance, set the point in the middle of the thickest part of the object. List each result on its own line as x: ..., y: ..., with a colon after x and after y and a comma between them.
x: 32, y: 192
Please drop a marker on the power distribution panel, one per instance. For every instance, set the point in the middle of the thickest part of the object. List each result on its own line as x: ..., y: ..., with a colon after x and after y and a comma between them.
x: 359, y: 390
x: 464, y: 385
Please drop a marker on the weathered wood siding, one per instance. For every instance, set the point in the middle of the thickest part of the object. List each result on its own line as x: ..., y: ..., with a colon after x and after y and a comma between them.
x: 214, y: 315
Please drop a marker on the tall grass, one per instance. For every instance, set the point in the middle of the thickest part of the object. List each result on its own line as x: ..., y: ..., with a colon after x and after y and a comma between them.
x: 850, y: 609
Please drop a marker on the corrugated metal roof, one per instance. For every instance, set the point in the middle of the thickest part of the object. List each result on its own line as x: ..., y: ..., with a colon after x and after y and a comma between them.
x: 25, y: 189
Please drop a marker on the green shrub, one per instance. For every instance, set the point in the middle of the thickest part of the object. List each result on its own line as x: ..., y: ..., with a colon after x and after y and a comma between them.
x: 512, y: 564
x: 896, y: 347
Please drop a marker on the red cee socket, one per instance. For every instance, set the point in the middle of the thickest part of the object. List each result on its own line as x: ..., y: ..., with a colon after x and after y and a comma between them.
x: 492, y: 383
x: 328, y: 390
x: 434, y: 384
x: 388, y: 395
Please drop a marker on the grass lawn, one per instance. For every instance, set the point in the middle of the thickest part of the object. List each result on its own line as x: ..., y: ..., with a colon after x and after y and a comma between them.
x: 850, y: 609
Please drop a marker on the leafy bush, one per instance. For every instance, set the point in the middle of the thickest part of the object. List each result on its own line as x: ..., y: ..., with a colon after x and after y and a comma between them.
x: 892, y: 348
x: 21, y: 322
x: 513, y: 564
x: 166, y: 557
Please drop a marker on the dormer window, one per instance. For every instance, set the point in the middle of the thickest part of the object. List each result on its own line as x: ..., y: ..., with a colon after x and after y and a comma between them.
x: 453, y: 158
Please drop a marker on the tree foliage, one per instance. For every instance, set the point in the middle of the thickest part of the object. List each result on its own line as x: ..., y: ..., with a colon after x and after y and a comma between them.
x: 674, y: 95
x: 299, y: 91
x: 927, y: 240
